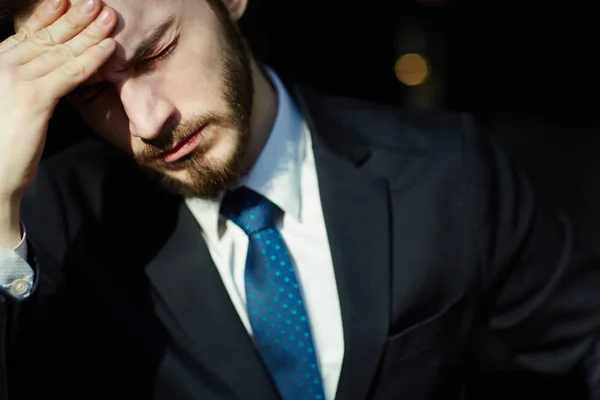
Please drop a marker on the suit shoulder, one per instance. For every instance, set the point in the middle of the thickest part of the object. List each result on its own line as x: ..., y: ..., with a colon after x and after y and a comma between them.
x: 440, y: 145
x: 87, y: 165
x: 79, y: 174
x: 384, y: 125
x: 86, y: 157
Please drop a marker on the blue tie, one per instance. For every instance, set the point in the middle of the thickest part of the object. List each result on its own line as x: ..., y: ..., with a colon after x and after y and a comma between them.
x: 274, y: 300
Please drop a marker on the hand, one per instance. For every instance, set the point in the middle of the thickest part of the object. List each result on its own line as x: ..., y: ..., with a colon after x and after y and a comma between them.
x: 56, y: 49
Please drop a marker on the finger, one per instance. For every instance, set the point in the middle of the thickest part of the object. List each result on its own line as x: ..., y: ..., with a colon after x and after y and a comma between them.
x: 60, y: 54
x: 95, y: 32
x: 62, y: 81
x: 45, y: 14
x: 64, y: 29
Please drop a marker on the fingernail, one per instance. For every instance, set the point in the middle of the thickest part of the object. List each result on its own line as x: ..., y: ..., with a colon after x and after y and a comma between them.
x: 54, y: 4
x: 86, y: 6
x: 103, y: 18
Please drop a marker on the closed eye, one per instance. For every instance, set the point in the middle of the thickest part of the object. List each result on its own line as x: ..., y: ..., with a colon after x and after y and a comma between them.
x: 164, y: 54
x: 88, y: 93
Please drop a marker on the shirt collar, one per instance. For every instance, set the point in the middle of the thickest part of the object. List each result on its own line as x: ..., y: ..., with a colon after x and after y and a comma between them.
x: 276, y: 173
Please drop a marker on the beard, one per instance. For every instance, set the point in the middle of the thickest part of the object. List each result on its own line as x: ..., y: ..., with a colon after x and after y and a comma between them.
x: 206, y: 178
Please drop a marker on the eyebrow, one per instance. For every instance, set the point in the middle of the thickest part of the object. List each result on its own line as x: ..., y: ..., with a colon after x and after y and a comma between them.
x: 150, y: 42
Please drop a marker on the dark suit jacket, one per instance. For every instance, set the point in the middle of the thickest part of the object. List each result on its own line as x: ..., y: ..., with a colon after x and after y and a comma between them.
x: 435, y: 239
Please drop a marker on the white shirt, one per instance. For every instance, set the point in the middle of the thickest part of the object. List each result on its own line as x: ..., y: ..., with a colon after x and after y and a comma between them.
x: 285, y: 173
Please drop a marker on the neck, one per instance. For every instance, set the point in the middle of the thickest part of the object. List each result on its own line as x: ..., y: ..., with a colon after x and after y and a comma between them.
x: 263, y: 116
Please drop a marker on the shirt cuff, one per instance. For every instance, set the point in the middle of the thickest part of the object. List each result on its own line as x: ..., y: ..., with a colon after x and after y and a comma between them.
x: 16, y: 276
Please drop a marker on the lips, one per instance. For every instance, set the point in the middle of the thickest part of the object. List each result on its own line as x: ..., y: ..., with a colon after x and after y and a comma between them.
x: 183, y: 148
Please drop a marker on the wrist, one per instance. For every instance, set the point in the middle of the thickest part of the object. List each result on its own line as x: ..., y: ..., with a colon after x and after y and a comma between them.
x: 10, y: 221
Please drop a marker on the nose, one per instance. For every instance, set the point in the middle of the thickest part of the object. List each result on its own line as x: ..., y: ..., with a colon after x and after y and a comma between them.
x: 149, y: 113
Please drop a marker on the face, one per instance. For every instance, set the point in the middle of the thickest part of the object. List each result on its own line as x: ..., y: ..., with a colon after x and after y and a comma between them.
x: 176, y: 95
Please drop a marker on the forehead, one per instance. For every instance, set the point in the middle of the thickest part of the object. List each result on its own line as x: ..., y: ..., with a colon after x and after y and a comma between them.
x: 138, y: 18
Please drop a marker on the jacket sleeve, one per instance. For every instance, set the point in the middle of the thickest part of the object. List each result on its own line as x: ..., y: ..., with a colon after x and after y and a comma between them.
x: 35, y: 328
x: 541, y: 287
x: 10, y: 306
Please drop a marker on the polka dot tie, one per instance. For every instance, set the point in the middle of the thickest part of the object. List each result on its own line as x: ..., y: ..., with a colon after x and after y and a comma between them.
x: 275, y: 306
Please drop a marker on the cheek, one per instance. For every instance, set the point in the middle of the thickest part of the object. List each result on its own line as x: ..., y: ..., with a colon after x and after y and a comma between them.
x: 195, y: 74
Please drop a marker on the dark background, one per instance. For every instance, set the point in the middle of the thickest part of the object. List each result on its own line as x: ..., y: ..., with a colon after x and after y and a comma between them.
x: 486, y: 55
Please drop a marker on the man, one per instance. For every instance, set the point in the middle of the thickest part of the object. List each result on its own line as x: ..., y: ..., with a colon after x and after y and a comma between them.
x: 278, y: 244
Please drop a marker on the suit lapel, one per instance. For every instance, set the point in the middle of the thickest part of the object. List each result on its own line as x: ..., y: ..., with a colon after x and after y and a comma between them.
x: 189, y: 284
x: 356, y: 216
x: 355, y: 206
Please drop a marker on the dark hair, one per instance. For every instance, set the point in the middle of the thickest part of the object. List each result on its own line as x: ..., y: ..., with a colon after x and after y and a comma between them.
x: 11, y: 9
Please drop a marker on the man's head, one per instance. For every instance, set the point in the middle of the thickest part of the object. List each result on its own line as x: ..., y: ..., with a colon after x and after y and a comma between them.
x: 177, y: 93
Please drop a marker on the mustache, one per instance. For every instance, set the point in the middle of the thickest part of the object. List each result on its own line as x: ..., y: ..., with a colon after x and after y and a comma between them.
x: 168, y: 140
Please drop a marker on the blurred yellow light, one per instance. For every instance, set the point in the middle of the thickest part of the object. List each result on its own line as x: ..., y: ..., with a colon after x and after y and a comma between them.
x: 412, y: 69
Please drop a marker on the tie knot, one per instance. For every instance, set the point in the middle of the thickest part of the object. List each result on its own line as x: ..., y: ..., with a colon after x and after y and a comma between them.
x: 249, y: 210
